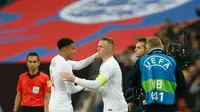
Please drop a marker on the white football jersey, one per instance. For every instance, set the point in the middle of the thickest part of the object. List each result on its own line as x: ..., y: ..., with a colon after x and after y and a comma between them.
x: 60, y: 100
x: 111, y: 91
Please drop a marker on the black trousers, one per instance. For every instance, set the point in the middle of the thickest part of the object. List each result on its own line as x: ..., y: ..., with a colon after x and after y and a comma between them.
x: 32, y: 109
x: 160, y: 108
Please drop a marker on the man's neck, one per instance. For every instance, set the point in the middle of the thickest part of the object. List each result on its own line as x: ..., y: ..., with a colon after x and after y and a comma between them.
x: 63, y: 55
x: 156, y: 50
x: 33, y: 72
x: 107, y: 57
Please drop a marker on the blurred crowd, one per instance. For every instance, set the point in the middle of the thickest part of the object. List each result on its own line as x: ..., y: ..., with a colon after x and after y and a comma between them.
x: 5, y: 2
x: 168, y: 33
x: 175, y: 32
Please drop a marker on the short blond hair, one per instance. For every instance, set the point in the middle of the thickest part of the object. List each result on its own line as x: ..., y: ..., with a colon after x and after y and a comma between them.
x: 110, y: 42
x: 154, y: 42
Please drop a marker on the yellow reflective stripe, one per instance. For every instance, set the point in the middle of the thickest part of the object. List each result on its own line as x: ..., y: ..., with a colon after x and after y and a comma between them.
x: 102, y: 79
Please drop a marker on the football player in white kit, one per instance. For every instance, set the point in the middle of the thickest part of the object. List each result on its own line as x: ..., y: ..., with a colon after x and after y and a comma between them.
x: 60, y: 100
x: 109, y: 80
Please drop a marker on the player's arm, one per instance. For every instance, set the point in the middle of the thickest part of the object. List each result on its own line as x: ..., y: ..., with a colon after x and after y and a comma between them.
x: 102, y: 78
x: 17, y: 102
x: 47, y: 90
x: 71, y: 88
x: 77, y: 65
x: 47, y: 99
x: 18, y: 96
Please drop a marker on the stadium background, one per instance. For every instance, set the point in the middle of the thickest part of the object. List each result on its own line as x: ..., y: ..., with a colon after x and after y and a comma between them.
x: 36, y: 25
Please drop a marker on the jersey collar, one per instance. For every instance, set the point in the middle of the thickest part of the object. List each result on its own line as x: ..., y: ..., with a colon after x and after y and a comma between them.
x: 156, y: 51
x: 32, y: 76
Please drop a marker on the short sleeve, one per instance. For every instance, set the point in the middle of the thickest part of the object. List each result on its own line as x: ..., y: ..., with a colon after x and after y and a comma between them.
x: 19, y: 85
x: 47, y: 85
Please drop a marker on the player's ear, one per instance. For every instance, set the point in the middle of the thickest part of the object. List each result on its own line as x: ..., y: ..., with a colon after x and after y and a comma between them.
x: 66, y: 49
x: 38, y: 62
x: 163, y: 47
x: 110, y: 48
x: 146, y: 50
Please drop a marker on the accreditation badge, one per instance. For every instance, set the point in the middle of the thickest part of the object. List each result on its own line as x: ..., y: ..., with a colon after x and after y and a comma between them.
x: 36, y: 89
